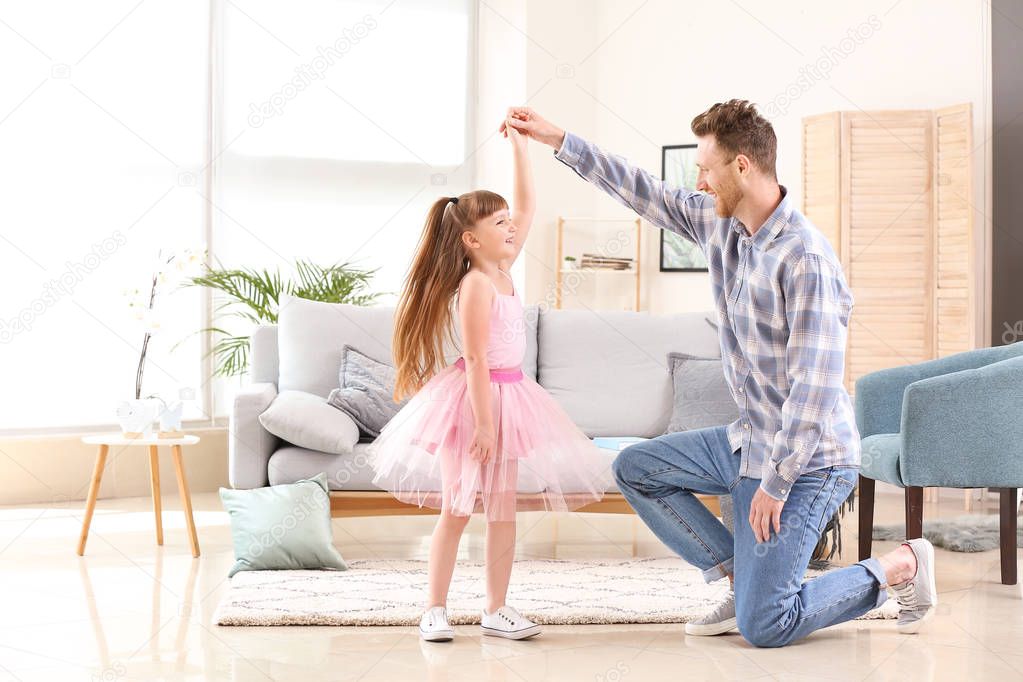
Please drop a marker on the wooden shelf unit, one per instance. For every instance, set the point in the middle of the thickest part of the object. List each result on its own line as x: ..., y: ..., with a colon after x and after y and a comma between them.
x: 561, y: 271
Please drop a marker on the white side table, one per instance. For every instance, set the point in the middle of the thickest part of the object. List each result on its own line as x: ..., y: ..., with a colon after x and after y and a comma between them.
x: 104, y: 441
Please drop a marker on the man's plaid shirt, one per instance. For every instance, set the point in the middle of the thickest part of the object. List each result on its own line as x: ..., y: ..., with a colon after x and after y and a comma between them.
x: 783, y: 311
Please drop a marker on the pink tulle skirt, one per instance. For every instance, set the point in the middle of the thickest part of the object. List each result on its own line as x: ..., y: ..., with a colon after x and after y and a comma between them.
x: 542, y: 460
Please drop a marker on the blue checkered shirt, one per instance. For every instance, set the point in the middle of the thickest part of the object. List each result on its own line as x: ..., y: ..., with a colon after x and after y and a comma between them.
x: 783, y: 311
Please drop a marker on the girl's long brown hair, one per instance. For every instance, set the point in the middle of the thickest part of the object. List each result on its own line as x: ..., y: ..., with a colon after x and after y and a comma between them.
x: 423, y: 320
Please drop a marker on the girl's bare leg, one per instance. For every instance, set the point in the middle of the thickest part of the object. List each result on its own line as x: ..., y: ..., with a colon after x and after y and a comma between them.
x: 500, y: 555
x: 500, y: 550
x: 443, y: 551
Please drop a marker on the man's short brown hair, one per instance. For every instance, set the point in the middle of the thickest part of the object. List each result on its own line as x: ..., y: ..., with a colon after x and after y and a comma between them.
x: 739, y: 128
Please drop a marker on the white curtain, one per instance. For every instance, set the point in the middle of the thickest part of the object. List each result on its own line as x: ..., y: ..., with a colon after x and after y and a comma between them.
x: 102, y: 129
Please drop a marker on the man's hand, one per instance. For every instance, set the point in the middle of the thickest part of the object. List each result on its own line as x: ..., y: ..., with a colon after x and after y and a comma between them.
x: 529, y: 123
x: 764, y: 512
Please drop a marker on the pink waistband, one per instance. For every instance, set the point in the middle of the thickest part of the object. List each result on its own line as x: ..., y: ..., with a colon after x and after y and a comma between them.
x: 500, y: 376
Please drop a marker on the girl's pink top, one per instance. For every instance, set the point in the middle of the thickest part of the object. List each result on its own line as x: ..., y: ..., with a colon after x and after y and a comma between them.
x: 506, y: 347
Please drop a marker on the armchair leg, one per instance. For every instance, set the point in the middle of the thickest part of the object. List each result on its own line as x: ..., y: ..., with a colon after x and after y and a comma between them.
x: 914, y: 512
x: 1007, y: 534
x: 866, y: 529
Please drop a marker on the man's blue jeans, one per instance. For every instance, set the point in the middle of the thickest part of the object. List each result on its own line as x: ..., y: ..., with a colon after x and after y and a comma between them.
x: 773, y: 605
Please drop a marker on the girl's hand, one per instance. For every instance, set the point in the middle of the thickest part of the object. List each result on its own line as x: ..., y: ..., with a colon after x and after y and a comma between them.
x: 483, y: 442
x: 531, y: 124
x: 518, y: 139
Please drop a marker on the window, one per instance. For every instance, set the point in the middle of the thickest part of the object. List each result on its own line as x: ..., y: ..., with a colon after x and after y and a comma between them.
x: 102, y: 127
x: 339, y: 133
x: 334, y: 125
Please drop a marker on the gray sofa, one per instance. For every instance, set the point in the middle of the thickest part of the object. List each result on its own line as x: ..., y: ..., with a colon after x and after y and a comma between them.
x: 608, y: 370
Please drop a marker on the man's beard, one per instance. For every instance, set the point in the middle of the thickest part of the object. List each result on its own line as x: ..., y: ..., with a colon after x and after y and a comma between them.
x: 725, y: 203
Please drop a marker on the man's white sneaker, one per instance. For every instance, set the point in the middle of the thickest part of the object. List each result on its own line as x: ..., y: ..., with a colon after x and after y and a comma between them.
x: 433, y: 626
x: 508, y: 623
x: 717, y: 622
x: 917, y: 596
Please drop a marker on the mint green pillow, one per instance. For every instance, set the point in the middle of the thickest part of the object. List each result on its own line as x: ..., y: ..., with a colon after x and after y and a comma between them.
x: 282, y: 527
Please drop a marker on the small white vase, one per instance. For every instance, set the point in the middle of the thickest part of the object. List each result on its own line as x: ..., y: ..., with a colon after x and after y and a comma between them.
x: 136, y: 417
x: 170, y: 418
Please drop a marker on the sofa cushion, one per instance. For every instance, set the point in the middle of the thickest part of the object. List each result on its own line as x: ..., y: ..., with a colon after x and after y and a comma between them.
x: 702, y: 398
x: 608, y: 369
x: 307, y: 420
x: 366, y: 392
x: 263, y: 354
x: 352, y: 472
x: 311, y: 335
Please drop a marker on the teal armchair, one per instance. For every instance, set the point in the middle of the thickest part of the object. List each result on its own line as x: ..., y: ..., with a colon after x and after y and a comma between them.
x: 956, y: 422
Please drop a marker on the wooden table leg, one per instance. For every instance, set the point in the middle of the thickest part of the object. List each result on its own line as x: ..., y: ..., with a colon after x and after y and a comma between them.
x: 186, y: 499
x: 90, y: 505
x: 154, y: 484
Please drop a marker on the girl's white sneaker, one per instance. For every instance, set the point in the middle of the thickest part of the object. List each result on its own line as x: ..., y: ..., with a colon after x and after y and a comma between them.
x: 433, y: 626
x: 508, y: 623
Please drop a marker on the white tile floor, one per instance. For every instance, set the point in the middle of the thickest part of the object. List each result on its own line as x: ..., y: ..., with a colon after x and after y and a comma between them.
x: 129, y: 610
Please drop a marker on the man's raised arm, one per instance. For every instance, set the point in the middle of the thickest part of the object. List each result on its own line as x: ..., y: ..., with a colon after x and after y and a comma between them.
x: 680, y: 210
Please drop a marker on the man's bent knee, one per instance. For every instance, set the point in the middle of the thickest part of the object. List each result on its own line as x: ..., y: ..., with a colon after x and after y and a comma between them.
x: 766, y: 629
x: 625, y: 467
x: 764, y: 638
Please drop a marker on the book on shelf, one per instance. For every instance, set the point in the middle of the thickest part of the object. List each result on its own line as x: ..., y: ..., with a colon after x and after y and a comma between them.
x: 593, y: 261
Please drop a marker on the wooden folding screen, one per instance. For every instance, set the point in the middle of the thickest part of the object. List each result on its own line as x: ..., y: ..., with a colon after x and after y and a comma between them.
x: 891, y: 191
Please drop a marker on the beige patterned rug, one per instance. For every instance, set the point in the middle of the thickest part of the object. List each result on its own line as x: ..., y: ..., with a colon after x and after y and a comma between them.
x: 381, y: 592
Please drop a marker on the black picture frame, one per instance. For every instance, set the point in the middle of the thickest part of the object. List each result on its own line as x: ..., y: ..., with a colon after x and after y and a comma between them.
x: 683, y: 153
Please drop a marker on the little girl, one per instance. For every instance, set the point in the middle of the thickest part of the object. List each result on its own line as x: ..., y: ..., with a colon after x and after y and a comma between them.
x: 479, y: 435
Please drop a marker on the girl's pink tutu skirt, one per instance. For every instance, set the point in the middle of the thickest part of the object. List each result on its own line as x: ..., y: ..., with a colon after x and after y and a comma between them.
x: 542, y: 460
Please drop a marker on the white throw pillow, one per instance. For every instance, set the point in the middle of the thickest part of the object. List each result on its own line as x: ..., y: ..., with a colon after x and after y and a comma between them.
x: 307, y: 420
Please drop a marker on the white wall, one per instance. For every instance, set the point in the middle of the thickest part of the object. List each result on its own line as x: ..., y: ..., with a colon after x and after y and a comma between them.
x: 633, y: 75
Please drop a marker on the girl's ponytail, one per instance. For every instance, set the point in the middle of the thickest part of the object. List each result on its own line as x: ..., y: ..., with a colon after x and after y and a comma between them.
x: 423, y: 321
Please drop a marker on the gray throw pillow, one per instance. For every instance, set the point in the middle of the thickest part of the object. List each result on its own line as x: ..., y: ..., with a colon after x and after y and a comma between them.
x: 307, y: 420
x: 366, y: 390
x: 702, y: 397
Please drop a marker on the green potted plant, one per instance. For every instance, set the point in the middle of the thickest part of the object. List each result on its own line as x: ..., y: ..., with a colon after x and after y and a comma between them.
x: 254, y: 295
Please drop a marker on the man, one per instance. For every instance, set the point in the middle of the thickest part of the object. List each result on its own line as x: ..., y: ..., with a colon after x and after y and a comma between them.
x: 793, y: 455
